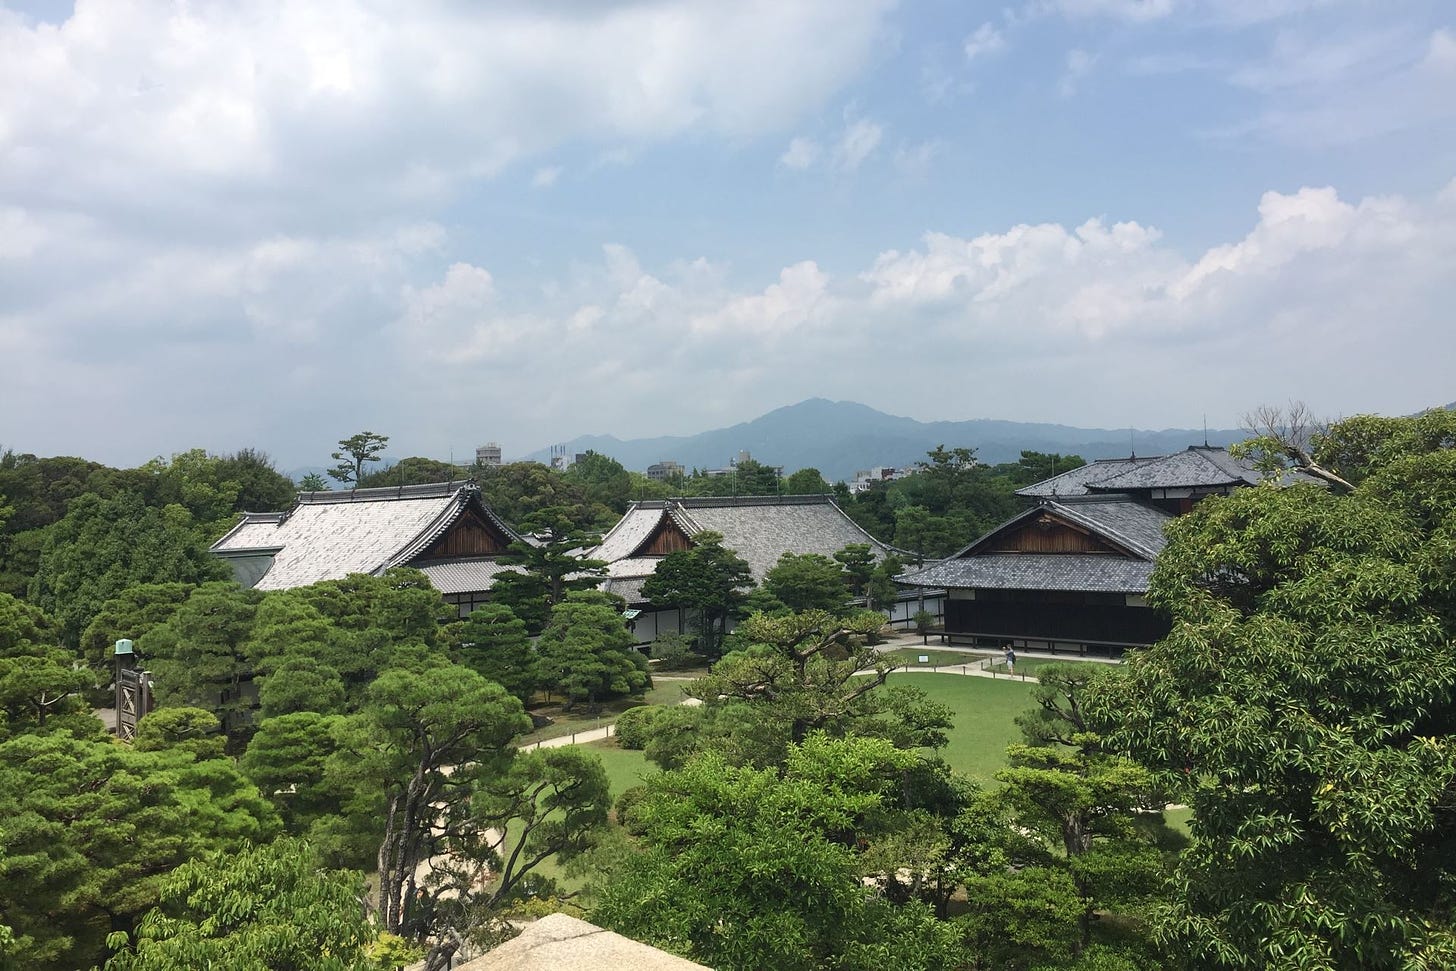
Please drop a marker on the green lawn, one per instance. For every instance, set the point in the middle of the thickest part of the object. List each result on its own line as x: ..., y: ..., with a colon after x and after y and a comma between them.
x: 985, y: 712
x: 581, y: 719
x: 1029, y: 665
x: 910, y: 657
x: 625, y: 767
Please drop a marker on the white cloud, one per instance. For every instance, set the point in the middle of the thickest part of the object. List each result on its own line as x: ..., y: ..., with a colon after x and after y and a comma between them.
x: 1079, y: 65
x: 797, y: 299
x: 1133, y: 11
x: 546, y: 177
x: 986, y: 40
x: 1334, y: 91
x: 801, y: 153
x: 913, y: 160
x: 1104, y: 322
x: 858, y: 142
x: 214, y: 104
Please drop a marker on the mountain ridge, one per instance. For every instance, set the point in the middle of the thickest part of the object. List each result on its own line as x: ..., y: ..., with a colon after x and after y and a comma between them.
x: 841, y: 437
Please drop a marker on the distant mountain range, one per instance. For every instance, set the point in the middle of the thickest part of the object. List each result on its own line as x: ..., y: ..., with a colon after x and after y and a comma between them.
x: 840, y: 437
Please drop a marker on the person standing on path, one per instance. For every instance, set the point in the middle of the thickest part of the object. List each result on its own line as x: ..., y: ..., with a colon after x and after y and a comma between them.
x: 1010, y: 661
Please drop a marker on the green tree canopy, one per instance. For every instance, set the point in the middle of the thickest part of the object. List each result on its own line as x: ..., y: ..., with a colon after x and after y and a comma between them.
x: 413, y: 470
x: 587, y: 654
x: 265, y: 908
x: 806, y: 482
x: 494, y: 644
x: 857, y: 560
x: 603, y: 480
x: 708, y: 578
x: 354, y: 453
x: 41, y: 683
x: 747, y: 868
x: 554, y: 559
x: 1303, y: 705
x: 459, y: 822
x: 808, y: 581
x: 105, y: 546
x: 93, y: 827
x: 199, y: 657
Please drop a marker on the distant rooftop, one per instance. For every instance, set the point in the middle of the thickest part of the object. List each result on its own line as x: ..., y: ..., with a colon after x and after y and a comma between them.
x: 1197, y: 467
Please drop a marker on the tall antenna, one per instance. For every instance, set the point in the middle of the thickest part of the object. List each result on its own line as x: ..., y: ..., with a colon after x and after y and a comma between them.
x: 1131, y: 450
x: 1205, y: 429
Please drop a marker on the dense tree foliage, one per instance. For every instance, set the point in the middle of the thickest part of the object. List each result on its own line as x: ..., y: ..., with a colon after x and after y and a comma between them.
x: 412, y: 471
x: 555, y: 558
x: 950, y: 499
x: 587, y: 654
x: 708, y: 579
x: 807, y: 581
x: 494, y: 644
x: 745, y: 868
x: 1303, y: 706
x: 427, y: 779
x: 266, y: 908
x: 198, y: 657
x: 41, y: 683
x: 105, y: 546
x: 211, y: 488
x: 92, y: 828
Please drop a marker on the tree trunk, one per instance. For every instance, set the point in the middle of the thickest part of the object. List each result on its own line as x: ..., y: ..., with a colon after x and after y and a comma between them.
x: 399, y: 854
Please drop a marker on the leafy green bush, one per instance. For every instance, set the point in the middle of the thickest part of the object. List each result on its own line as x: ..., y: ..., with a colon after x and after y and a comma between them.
x: 673, y: 652
x: 634, y: 727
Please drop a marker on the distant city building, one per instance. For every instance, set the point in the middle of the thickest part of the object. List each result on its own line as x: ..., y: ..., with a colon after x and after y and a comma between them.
x: 560, y: 461
x: 743, y: 457
x: 664, y: 470
x: 865, y: 478
x: 488, y: 454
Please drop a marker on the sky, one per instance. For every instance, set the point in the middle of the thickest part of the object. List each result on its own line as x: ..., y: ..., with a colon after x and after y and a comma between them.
x: 274, y: 224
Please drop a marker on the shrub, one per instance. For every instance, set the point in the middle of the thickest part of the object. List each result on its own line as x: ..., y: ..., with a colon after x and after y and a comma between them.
x: 672, y: 652
x: 634, y: 727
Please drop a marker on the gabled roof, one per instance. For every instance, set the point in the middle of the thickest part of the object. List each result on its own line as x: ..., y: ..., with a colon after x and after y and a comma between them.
x: 1076, y: 481
x: 638, y: 525
x: 1196, y: 467
x: 1130, y: 526
x: 758, y: 528
x: 1085, y: 572
x: 329, y: 535
x: 1135, y: 528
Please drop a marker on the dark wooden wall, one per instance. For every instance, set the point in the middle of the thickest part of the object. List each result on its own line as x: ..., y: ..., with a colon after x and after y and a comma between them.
x: 667, y: 538
x: 1047, y: 620
x: 470, y: 535
x: 1047, y: 535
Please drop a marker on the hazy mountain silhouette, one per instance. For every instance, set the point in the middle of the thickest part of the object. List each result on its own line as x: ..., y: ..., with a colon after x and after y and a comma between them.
x: 840, y: 437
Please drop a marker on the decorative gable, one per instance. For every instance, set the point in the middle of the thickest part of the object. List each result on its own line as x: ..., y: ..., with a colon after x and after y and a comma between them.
x: 472, y: 534
x: 666, y: 537
x: 1045, y: 533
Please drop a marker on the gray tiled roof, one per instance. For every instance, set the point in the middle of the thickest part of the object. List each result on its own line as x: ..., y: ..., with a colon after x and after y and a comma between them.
x: 759, y: 529
x: 466, y: 575
x: 1075, y: 482
x: 1093, y: 572
x: 329, y: 535
x: 1130, y: 523
x: 1196, y: 467
x: 1193, y: 468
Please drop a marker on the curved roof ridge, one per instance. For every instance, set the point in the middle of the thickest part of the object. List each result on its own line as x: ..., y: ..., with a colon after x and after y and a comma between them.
x: 1107, y: 530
